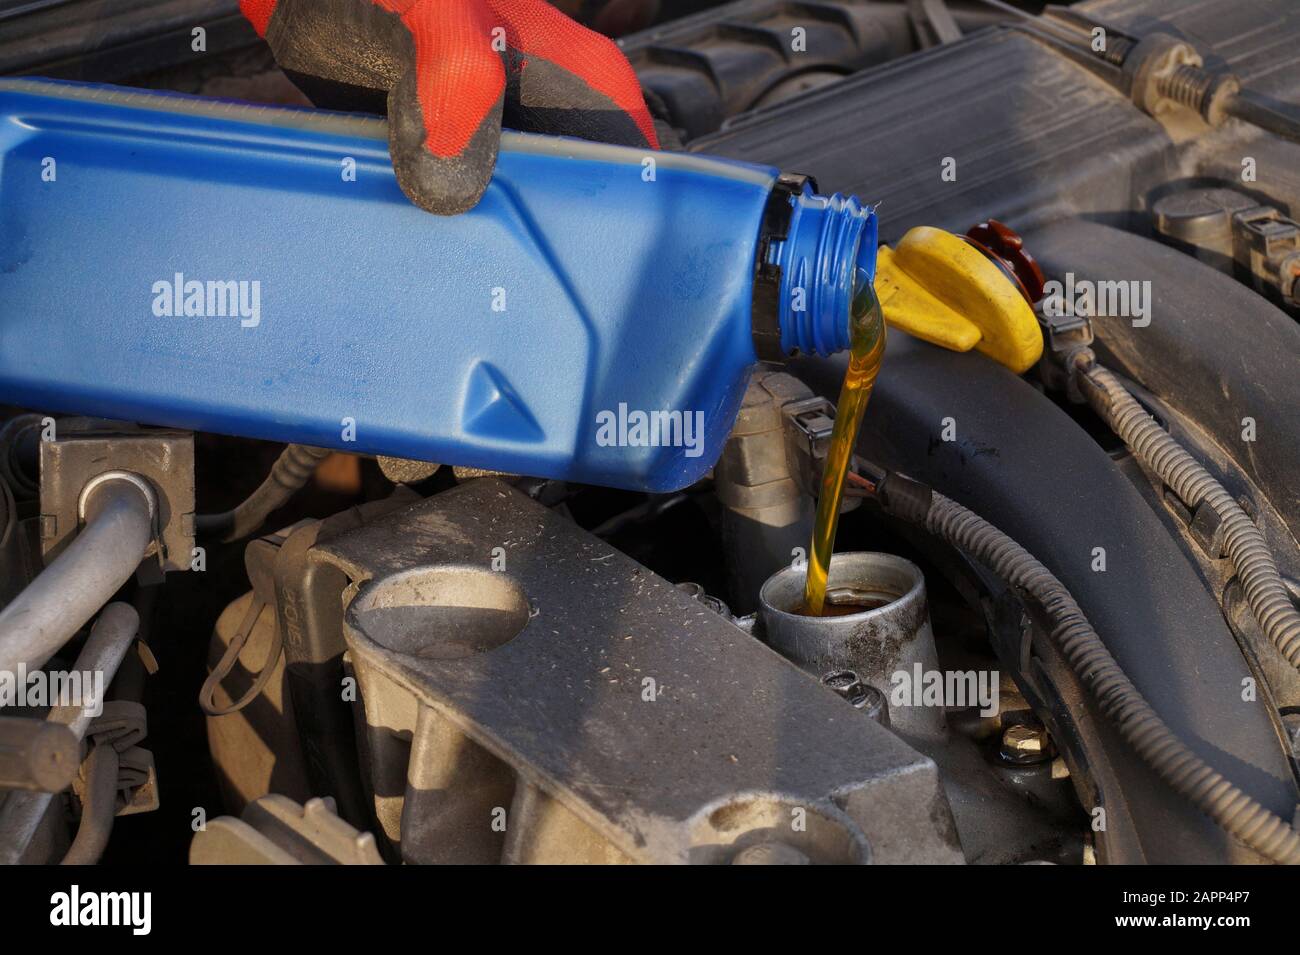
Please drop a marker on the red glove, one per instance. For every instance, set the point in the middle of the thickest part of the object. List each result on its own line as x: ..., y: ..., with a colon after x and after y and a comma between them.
x: 451, y: 68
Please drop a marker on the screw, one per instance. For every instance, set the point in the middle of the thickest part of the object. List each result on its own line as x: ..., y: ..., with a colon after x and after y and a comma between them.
x: 692, y: 589
x: 1025, y: 745
x: 862, y: 696
x: 844, y: 682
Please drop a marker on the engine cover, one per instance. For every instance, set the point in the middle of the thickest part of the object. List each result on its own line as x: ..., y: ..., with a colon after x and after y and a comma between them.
x: 530, y: 694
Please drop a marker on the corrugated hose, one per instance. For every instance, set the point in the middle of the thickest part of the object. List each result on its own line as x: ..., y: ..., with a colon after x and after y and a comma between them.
x: 1245, y: 546
x: 1123, y: 704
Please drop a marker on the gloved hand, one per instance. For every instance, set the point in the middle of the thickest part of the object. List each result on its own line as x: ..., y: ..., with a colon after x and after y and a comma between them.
x: 450, y: 69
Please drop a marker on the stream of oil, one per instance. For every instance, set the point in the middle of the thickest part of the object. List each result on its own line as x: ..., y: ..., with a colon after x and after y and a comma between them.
x: 866, y: 350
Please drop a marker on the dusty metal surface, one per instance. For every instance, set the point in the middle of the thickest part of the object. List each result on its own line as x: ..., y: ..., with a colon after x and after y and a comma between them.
x: 623, y: 720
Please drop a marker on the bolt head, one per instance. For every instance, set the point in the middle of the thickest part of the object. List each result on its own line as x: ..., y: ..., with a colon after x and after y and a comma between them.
x: 844, y: 682
x: 1023, y: 744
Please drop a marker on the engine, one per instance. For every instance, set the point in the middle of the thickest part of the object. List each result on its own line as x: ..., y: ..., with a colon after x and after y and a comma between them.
x: 1062, y: 622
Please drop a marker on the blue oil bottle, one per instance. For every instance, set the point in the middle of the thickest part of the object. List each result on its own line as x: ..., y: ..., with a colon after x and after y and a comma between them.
x: 257, y: 271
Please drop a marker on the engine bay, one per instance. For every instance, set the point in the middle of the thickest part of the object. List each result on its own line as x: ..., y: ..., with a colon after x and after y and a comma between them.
x: 1061, y: 618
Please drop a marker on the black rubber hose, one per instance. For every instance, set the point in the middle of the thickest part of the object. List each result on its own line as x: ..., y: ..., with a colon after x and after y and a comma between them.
x: 294, y: 468
x: 1119, y: 699
x: 1244, y: 544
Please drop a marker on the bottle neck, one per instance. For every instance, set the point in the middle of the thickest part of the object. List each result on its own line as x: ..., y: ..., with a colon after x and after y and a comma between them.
x: 811, y: 252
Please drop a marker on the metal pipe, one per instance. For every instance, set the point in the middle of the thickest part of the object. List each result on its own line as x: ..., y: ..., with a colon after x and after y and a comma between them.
x: 1274, y: 117
x: 118, y: 509
x: 36, y: 754
x: 111, y: 637
x: 98, y: 807
x: 885, y: 632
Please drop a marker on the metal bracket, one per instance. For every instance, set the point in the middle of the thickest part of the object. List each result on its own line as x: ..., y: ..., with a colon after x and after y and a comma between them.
x: 809, y: 424
x: 1065, y: 337
x: 83, y: 455
x: 1203, y: 525
x: 1268, y: 244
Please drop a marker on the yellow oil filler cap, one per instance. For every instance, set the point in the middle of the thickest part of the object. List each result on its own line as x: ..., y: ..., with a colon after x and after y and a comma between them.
x: 964, y: 292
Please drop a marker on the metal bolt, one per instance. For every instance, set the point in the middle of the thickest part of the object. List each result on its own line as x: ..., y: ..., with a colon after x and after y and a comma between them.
x: 692, y: 589
x: 1024, y: 745
x: 844, y: 682
x: 862, y: 696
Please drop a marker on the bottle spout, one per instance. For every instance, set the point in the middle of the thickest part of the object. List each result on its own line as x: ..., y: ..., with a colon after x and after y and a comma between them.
x: 813, y: 251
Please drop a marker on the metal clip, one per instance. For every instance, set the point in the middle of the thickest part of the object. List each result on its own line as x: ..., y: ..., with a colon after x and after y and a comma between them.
x: 809, y: 423
x: 1066, y: 336
x: 123, y: 724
